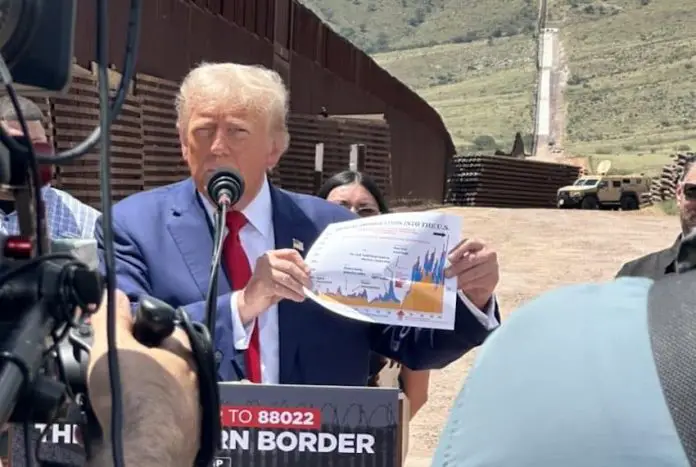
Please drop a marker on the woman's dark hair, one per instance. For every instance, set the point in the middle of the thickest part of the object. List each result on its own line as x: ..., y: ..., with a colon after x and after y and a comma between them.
x: 349, y: 177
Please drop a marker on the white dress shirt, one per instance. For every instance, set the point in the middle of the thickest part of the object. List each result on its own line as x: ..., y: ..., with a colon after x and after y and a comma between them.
x: 257, y: 237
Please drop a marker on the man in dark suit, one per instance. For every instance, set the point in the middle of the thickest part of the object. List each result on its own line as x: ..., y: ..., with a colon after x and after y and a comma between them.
x: 661, y: 263
x: 653, y: 265
x: 234, y: 116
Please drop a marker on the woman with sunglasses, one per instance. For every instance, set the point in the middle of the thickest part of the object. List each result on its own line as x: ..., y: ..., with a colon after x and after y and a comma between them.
x: 360, y: 194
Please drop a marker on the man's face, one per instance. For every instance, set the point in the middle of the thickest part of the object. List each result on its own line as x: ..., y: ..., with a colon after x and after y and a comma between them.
x: 686, y: 200
x: 38, y: 137
x: 37, y: 134
x: 216, y: 137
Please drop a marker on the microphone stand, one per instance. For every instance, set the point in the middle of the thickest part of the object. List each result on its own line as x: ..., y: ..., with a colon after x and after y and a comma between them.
x: 225, y: 187
x: 211, y: 296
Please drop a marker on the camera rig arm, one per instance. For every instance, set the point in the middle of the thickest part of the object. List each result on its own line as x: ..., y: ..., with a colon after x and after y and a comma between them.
x: 42, y: 294
x: 154, y: 322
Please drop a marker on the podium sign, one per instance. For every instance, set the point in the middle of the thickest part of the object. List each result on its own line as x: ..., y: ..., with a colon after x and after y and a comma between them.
x: 268, y: 426
x: 308, y: 426
x: 61, y: 442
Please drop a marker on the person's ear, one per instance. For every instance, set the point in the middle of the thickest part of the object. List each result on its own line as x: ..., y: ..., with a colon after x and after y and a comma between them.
x: 276, y: 151
x: 183, y: 141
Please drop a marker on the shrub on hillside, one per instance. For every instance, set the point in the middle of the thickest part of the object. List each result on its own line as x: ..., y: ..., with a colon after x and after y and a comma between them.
x: 669, y: 207
x: 470, y: 36
x: 484, y: 142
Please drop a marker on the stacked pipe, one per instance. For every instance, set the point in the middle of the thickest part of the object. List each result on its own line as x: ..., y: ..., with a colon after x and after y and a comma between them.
x: 664, y: 186
x: 476, y: 180
x: 645, y: 199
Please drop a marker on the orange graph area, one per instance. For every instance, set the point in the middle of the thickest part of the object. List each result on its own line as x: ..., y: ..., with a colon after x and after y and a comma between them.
x: 426, y: 279
x: 423, y: 297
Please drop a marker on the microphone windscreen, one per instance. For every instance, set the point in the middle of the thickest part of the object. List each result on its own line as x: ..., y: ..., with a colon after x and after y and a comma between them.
x: 228, y: 182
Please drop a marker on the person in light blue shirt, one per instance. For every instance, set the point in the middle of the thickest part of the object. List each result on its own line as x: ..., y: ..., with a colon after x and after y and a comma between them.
x: 66, y: 216
x: 569, y: 380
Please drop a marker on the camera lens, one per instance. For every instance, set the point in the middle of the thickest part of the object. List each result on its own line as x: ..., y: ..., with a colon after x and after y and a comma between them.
x: 18, y: 21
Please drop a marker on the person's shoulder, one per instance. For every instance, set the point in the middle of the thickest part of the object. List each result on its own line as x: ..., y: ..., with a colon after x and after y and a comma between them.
x: 564, y: 314
x: 638, y: 263
x: 150, y: 201
x: 319, y: 209
x: 646, y: 264
x: 570, y: 314
x: 587, y: 301
x: 73, y: 202
x: 567, y: 355
x: 129, y: 214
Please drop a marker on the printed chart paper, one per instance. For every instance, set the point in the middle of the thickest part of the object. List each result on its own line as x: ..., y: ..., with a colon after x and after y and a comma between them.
x: 388, y: 269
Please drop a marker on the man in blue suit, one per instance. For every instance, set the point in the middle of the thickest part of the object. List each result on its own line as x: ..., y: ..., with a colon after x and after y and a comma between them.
x: 234, y: 116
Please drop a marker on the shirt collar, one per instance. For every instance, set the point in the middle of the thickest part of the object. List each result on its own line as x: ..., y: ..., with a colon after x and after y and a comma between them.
x: 258, y: 212
x: 670, y: 256
x: 47, y: 194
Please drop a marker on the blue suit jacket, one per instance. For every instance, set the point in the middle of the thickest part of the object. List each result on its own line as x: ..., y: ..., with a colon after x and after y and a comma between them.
x: 163, y: 245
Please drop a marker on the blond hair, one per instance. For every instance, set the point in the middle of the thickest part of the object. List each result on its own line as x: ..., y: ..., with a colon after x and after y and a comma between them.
x: 249, y: 87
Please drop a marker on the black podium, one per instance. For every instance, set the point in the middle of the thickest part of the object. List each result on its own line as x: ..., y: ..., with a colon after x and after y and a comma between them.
x: 309, y: 426
x: 271, y: 426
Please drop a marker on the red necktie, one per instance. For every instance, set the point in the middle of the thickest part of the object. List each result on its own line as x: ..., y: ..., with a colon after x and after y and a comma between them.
x: 239, y: 272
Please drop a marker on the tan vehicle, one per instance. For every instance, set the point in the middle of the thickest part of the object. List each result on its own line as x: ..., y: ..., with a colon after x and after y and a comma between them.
x: 603, y: 191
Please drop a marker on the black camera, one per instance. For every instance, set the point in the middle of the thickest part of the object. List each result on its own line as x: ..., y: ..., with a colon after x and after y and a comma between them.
x: 36, y: 42
x: 40, y: 287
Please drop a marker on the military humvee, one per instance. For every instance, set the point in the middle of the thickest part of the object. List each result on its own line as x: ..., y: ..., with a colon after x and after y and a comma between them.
x: 603, y: 191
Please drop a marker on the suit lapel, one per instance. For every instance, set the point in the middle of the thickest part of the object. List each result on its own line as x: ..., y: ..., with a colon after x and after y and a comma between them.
x: 291, y: 227
x: 667, y: 259
x: 195, y: 244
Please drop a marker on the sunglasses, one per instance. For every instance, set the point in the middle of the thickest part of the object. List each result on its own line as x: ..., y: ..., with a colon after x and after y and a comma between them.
x: 690, y: 191
x: 368, y: 212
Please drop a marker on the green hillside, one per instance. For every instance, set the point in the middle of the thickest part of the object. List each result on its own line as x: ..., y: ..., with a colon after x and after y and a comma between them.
x: 381, y: 25
x: 482, y: 89
x: 632, y: 88
x: 631, y: 95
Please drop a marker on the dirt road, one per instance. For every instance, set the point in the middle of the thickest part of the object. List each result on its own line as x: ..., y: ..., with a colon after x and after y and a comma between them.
x: 538, y: 251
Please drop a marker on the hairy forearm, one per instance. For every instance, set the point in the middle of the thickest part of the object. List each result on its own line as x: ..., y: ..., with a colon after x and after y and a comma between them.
x: 147, y: 443
x: 137, y: 452
x: 158, y: 425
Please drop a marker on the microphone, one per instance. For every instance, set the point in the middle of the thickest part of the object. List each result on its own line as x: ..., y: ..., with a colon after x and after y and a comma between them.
x: 225, y: 187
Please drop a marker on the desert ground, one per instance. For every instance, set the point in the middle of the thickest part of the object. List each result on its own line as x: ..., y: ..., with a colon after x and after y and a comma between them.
x: 538, y: 250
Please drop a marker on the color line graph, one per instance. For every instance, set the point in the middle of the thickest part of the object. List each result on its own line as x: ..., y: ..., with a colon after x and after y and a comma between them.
x: 421, y: 289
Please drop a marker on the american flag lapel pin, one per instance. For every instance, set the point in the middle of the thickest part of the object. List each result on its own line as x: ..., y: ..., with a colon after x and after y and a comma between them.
x: 297, y: 245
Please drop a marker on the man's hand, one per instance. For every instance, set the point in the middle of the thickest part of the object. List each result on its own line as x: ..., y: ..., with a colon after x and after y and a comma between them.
x: 475, y: 266
x: 278, y: 275
x: 159, y: 390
